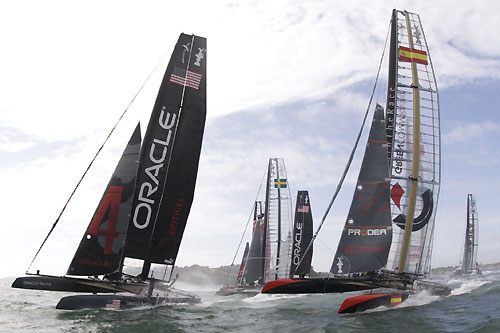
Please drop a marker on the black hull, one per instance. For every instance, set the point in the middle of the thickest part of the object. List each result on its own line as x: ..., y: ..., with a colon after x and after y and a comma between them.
x: 316, y: 286
x: 63, y: 283
x: 122, y: 302
x: 366, y: 302
x: 239, y: 290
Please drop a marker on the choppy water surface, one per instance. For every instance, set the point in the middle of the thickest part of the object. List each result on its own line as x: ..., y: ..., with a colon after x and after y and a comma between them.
x: 473, y: 306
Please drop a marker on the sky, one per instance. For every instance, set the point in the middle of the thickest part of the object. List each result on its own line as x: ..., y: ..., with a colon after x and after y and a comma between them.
x: 286, y: 78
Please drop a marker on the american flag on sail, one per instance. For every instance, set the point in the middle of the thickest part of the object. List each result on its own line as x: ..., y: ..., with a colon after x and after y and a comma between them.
x: 113, y: 304
x: 182, y: 77
x: 303, y: 209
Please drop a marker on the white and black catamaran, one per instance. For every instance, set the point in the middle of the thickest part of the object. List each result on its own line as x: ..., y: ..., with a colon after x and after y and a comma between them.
x: 275, y: 251
x: 470, y: 265
x: 144, y: 209
x: 387, y: 237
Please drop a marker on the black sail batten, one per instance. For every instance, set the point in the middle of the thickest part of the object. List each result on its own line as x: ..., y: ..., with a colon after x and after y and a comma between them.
x: 101, y: 248
x: 169, y: 157
x: 367, y: 235
x: 302, y: 235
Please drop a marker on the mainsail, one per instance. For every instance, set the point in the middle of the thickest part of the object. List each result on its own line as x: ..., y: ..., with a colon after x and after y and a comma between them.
x: 413, y: 133
x: 367, y: 233
x: 469, y: 261
x: 302, y: 236
x: 277, y: 222
x: 169, y: 158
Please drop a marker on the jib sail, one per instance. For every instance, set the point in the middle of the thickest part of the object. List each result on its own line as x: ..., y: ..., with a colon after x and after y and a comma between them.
x: 367, y: 234
x: 101, y: 247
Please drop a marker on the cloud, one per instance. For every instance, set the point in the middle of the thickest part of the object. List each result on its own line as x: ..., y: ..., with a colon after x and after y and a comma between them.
x: 470, y: 132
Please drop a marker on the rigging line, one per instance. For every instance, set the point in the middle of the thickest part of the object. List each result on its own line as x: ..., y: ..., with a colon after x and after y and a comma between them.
x: 93, y: 159
x: 246, y: 227
x: 341, y: 181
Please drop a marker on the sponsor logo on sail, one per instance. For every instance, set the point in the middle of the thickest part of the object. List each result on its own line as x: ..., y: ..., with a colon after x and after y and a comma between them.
x: 143, y: 210
x: 185, y: 49
x: 176, y: 217
x: 364, y: 249
x: 199, y: 56
x: 367, y: 232
x: 92, y: 262
x: 296, y: 243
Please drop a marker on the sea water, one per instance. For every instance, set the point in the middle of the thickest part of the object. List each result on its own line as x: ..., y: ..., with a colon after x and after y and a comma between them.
x: 473, y: 306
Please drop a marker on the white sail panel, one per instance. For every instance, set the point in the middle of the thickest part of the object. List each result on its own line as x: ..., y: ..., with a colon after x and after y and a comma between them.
x: 416, y: 111
x: 280, y: 222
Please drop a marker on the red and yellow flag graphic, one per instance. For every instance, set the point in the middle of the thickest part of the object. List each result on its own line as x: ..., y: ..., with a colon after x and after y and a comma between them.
x: 412, y: 55
x: 397, y: 299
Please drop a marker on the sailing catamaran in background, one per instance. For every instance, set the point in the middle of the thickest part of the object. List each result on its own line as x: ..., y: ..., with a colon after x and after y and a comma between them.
x: 144, y: 209
x: 274, y: 252
x: 387, y: 237
x: 470, y: 265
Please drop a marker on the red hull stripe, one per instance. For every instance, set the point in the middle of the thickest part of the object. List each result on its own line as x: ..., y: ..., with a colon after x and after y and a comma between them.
x: 352, y: 301
x: 278, y: 283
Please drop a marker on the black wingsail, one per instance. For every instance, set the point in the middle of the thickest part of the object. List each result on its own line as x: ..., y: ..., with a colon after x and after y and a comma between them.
x: 101, y: 248
x: 367, y: 235
x: 169, y: 157
x: 302, y: 235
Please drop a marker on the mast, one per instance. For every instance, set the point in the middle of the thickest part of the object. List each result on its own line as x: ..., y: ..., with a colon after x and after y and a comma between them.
x: 390, y: 107
x: 416, y: 155
x: 279, y: 217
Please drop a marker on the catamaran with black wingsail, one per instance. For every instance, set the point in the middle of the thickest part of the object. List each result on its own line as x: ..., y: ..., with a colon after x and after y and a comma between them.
x: 470, y: 265
x: 275, y: 249
x: 144, y: 209
x: 387, y: 237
